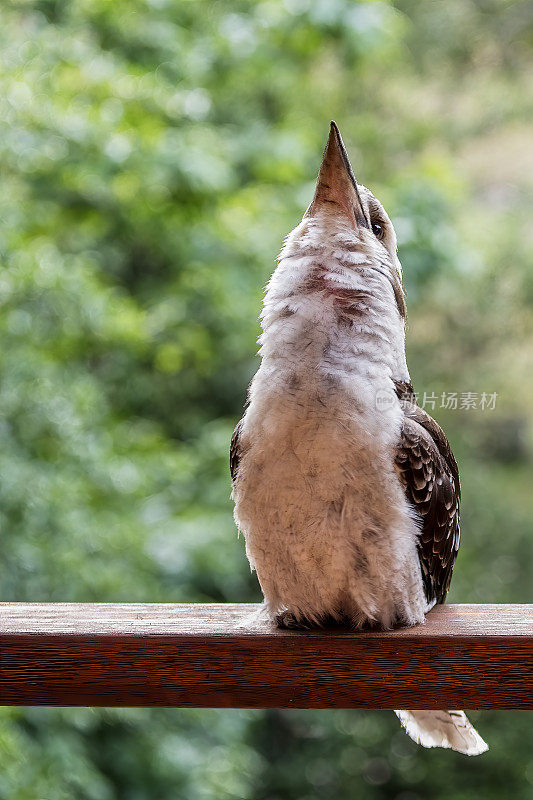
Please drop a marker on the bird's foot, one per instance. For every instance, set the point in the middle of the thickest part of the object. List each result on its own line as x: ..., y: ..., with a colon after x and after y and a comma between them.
x: 286, y: 619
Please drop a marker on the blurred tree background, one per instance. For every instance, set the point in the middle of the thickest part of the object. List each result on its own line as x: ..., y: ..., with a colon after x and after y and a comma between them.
x: 154, y: 154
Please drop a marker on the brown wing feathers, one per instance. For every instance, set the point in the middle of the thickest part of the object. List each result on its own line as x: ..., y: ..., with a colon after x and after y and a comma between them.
x: 430, y: 477
x: 235, y: 451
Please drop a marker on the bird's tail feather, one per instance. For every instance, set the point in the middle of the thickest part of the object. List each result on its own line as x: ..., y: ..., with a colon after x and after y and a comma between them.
x: 443, y: 729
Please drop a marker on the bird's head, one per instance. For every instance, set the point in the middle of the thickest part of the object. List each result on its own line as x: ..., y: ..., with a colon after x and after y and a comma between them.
x: 338, y: 197
x: 345, y: 237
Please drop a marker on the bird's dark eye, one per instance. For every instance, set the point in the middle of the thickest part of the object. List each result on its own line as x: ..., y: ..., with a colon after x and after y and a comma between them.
x: 377, y: 229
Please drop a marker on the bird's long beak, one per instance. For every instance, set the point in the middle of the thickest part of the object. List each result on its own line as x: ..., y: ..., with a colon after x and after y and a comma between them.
x: 336, y: 182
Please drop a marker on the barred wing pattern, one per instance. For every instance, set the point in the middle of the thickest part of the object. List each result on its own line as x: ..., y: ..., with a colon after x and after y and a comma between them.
x: 430, y: 477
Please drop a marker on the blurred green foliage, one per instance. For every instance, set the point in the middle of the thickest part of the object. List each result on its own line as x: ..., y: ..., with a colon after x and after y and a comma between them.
x: 154, y: 154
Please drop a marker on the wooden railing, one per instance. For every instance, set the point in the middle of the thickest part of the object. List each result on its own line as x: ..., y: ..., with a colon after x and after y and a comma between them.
x: 465, y: 656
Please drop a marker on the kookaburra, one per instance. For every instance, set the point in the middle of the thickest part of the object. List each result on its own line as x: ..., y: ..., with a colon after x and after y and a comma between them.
x: 347, y: 492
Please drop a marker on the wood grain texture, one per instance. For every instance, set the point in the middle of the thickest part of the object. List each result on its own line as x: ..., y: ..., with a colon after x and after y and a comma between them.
x: 468, y: 656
